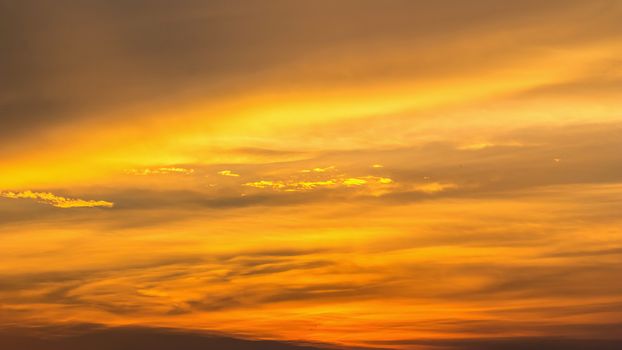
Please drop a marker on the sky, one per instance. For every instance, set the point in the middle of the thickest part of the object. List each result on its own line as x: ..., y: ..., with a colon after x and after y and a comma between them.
x: 352, y: 174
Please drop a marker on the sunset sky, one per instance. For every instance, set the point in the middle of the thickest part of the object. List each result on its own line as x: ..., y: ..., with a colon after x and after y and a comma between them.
x: 390, y: 174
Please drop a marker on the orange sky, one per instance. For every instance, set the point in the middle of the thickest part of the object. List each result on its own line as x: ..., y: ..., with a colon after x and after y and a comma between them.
x: 400, y: 174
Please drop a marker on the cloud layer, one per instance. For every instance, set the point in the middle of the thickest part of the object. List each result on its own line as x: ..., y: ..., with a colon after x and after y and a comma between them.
x: 395, y: 174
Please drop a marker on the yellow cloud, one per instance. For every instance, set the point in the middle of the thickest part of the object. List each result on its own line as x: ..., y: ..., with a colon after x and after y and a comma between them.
x: 172, y: 170
x: 266, y: 184
x: 319, y: 170
x: 434, y: 187
x: 483, y: 145
x: 57, y: 201
x: 291, y: 186
x: 314, y: 184
x: 228, y: 173
x: 354, y: 182
x: 358, y: 181
x: 309, y: 185
x: 385, y: 180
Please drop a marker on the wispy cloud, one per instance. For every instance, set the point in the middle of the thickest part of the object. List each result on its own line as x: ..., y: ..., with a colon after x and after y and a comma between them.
x: 56, y: 201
